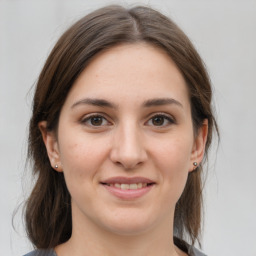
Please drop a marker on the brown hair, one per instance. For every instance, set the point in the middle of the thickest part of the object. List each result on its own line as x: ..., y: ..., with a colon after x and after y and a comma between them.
x: 48, y: 209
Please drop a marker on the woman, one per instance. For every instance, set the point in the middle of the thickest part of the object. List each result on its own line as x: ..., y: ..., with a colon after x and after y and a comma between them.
x: 121, y: 123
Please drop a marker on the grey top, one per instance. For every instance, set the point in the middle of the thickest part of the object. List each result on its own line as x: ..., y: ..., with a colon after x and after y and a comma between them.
x: 50, y: 252
x: 192, y: 251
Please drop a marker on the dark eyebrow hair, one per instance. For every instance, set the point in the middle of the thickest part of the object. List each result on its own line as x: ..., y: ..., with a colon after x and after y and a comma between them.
x: 94, y: 102
x: 161, y: 102
x: 147, y: 103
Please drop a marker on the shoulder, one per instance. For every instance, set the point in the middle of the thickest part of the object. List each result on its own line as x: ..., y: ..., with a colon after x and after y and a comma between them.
x: 195, y: 252
x: 49, y: 252
x: 187, y: 248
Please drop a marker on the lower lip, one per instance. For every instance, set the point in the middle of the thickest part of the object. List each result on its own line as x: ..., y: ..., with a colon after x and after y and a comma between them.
x: 128, y: 194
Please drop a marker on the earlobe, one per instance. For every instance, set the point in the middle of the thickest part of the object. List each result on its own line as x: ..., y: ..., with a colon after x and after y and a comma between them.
x: 199, y: 146
x: 51, y: 144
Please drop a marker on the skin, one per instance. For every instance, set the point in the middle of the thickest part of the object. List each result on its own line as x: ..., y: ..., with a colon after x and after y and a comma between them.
x: 129, y: 139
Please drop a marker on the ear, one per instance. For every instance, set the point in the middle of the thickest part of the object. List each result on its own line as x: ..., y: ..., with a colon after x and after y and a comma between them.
x: 199, y: 146
x: 51, y: 144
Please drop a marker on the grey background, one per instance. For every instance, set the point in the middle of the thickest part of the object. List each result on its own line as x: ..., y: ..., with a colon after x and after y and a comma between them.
x: 224, y: 32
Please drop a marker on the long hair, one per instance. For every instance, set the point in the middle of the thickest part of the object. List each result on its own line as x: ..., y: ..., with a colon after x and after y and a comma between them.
x: 48, y: 209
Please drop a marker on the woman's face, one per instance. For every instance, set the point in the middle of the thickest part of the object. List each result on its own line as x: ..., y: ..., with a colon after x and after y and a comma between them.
x: 125, y: 140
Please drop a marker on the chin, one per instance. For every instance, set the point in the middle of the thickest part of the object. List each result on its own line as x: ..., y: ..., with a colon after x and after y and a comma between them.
x: 129, y: 223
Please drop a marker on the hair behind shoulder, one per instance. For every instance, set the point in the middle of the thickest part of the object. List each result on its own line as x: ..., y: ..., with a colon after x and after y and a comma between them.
x: 48, y: 209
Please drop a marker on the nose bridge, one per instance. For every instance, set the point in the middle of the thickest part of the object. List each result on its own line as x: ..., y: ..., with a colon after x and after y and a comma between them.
x: 128, y: 149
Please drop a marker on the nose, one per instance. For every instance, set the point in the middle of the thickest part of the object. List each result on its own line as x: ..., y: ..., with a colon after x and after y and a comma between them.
x: 127, y: 149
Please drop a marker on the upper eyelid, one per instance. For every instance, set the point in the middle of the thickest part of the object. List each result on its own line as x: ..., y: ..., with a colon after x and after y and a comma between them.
x: 162, y: 114
x: 88, y: 116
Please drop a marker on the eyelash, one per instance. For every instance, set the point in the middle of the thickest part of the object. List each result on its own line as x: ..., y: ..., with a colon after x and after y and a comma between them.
x: 170, y: 120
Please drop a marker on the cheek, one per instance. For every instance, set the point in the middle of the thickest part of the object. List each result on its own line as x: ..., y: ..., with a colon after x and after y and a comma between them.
x: 81, y: 163
x: 81, y: 157
x: 173, y: 161
x: 174, y: 154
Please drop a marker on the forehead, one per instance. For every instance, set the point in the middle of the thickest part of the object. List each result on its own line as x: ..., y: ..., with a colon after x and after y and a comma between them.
x: 130, y: 72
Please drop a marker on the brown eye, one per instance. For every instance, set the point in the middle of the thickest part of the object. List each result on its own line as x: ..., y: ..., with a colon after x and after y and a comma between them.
x: 161, y: 120
x: 158, y: 120
x: 96, y: 120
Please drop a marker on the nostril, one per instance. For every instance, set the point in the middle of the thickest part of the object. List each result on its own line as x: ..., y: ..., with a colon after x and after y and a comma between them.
x: 128, y: 165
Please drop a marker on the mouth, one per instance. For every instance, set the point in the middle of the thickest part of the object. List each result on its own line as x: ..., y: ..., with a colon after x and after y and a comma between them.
x: 128, y: 188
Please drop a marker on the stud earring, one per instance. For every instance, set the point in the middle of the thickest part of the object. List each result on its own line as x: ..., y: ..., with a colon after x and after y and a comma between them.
x: 56, y: 166
x: 195, y: 164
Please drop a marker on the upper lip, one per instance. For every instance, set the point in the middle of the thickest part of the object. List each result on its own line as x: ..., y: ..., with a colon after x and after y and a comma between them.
x: 127, y: 180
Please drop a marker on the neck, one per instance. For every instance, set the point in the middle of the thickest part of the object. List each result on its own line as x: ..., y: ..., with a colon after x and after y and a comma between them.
x: 89, y: 239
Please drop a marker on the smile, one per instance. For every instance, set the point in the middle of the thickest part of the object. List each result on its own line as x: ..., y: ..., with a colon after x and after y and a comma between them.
x: 128, y: 188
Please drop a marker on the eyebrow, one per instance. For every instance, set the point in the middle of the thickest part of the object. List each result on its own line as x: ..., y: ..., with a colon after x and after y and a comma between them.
x: 94, y: 102
x: 146, y: 104
x: 161, y: 102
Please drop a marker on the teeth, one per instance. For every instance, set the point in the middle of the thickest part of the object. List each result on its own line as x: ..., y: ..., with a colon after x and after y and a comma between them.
x: 139, y: 185
x: 133, y: 186
x: 125, y: 186
x: 128, y: 186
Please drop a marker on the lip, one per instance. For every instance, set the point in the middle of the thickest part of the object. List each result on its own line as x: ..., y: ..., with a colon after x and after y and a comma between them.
x: 127, y: 180
x: 128, y: 194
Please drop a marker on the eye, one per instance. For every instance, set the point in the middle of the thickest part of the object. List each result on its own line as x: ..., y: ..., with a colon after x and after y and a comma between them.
x: 161, y: 120
x: 95, y: 120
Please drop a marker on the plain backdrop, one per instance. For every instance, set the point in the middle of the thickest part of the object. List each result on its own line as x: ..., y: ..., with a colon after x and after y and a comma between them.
x: 224, y: 32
